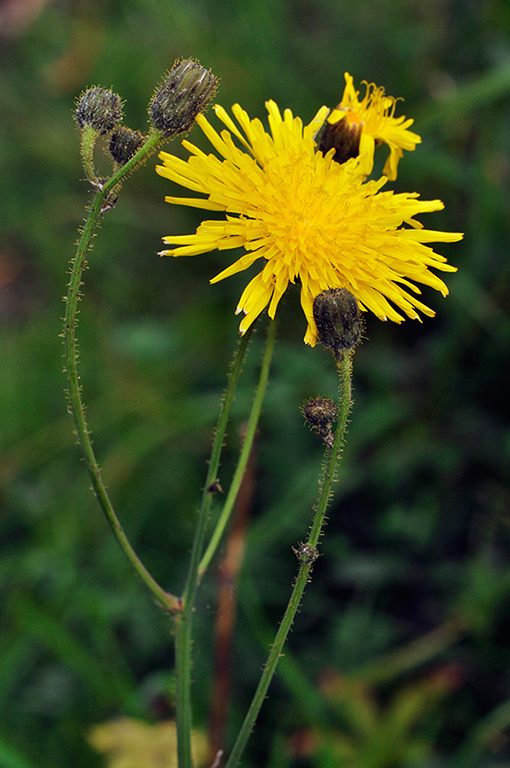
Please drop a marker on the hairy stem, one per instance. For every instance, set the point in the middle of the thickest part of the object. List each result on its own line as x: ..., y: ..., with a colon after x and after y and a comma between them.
x: 344, y: 366
x: 76, y: 406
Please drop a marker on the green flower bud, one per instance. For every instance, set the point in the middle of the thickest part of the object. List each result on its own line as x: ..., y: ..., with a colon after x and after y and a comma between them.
x: 183, y: 94
x: 342, y: 137
x: 100, y: 109
x: 338, y: 321
x: 124, y: 143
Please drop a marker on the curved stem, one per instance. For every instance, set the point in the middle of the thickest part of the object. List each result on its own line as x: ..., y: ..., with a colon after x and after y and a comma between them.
x: 88, y: 141
x: 344, y: 365
x: 112, y: 184
x: 184, y: 621
x: 76, y: 406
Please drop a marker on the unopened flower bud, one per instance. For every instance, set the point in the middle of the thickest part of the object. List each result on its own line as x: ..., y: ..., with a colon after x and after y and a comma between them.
x: 337, y: 318
x: 341, y: 136
x: 100, y: 109
x: 184, y: 93
x: 124, y: 143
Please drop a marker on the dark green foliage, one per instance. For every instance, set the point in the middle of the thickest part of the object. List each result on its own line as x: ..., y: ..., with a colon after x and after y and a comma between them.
x: 413, y: 577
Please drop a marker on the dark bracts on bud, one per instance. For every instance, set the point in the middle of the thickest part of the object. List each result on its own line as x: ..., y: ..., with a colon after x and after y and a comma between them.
x: 320, y: 413
x: 338, y: 321
x: 342, y: 137
x: 124, y: 143
x: 184, y: 93
x: 100, y: 109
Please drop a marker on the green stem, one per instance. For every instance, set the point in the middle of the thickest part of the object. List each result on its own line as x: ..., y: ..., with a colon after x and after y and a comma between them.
x: 251, y: 430
x: 88, y: 141
x: 344, y: 365
x: 212, y: 473
x: 113, y: 183
x: 184, y: 620
x: 76, y: 406
x: 344, y: 368
x: 183, y: 713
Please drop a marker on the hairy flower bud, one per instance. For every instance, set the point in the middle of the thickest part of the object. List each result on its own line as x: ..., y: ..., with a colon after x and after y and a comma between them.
x: 100, y: 109
x: 183, y: 94
x: 341, y: 136
x: 338, y: 321
x: 320, y: 413
x: 124, y: 143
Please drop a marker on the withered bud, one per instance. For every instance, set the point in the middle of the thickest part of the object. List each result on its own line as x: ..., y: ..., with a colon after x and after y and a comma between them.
x: 341, y: 136
x: 124, y: 143
x: 183, y: 94
x: 306, y: 553
x: 100, y: 109
x: 320, y: 413
x: 338, y: 321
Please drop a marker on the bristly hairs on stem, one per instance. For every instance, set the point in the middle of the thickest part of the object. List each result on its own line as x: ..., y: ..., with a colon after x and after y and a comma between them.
x: 337, y: 319
x: 99, y: 112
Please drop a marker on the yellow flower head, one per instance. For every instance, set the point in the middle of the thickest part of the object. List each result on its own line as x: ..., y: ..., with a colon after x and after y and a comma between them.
x: 375, y: 115
x: 309, y: 218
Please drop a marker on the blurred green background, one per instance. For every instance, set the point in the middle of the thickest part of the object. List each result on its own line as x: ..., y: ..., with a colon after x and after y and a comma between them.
x: 399, y: 656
